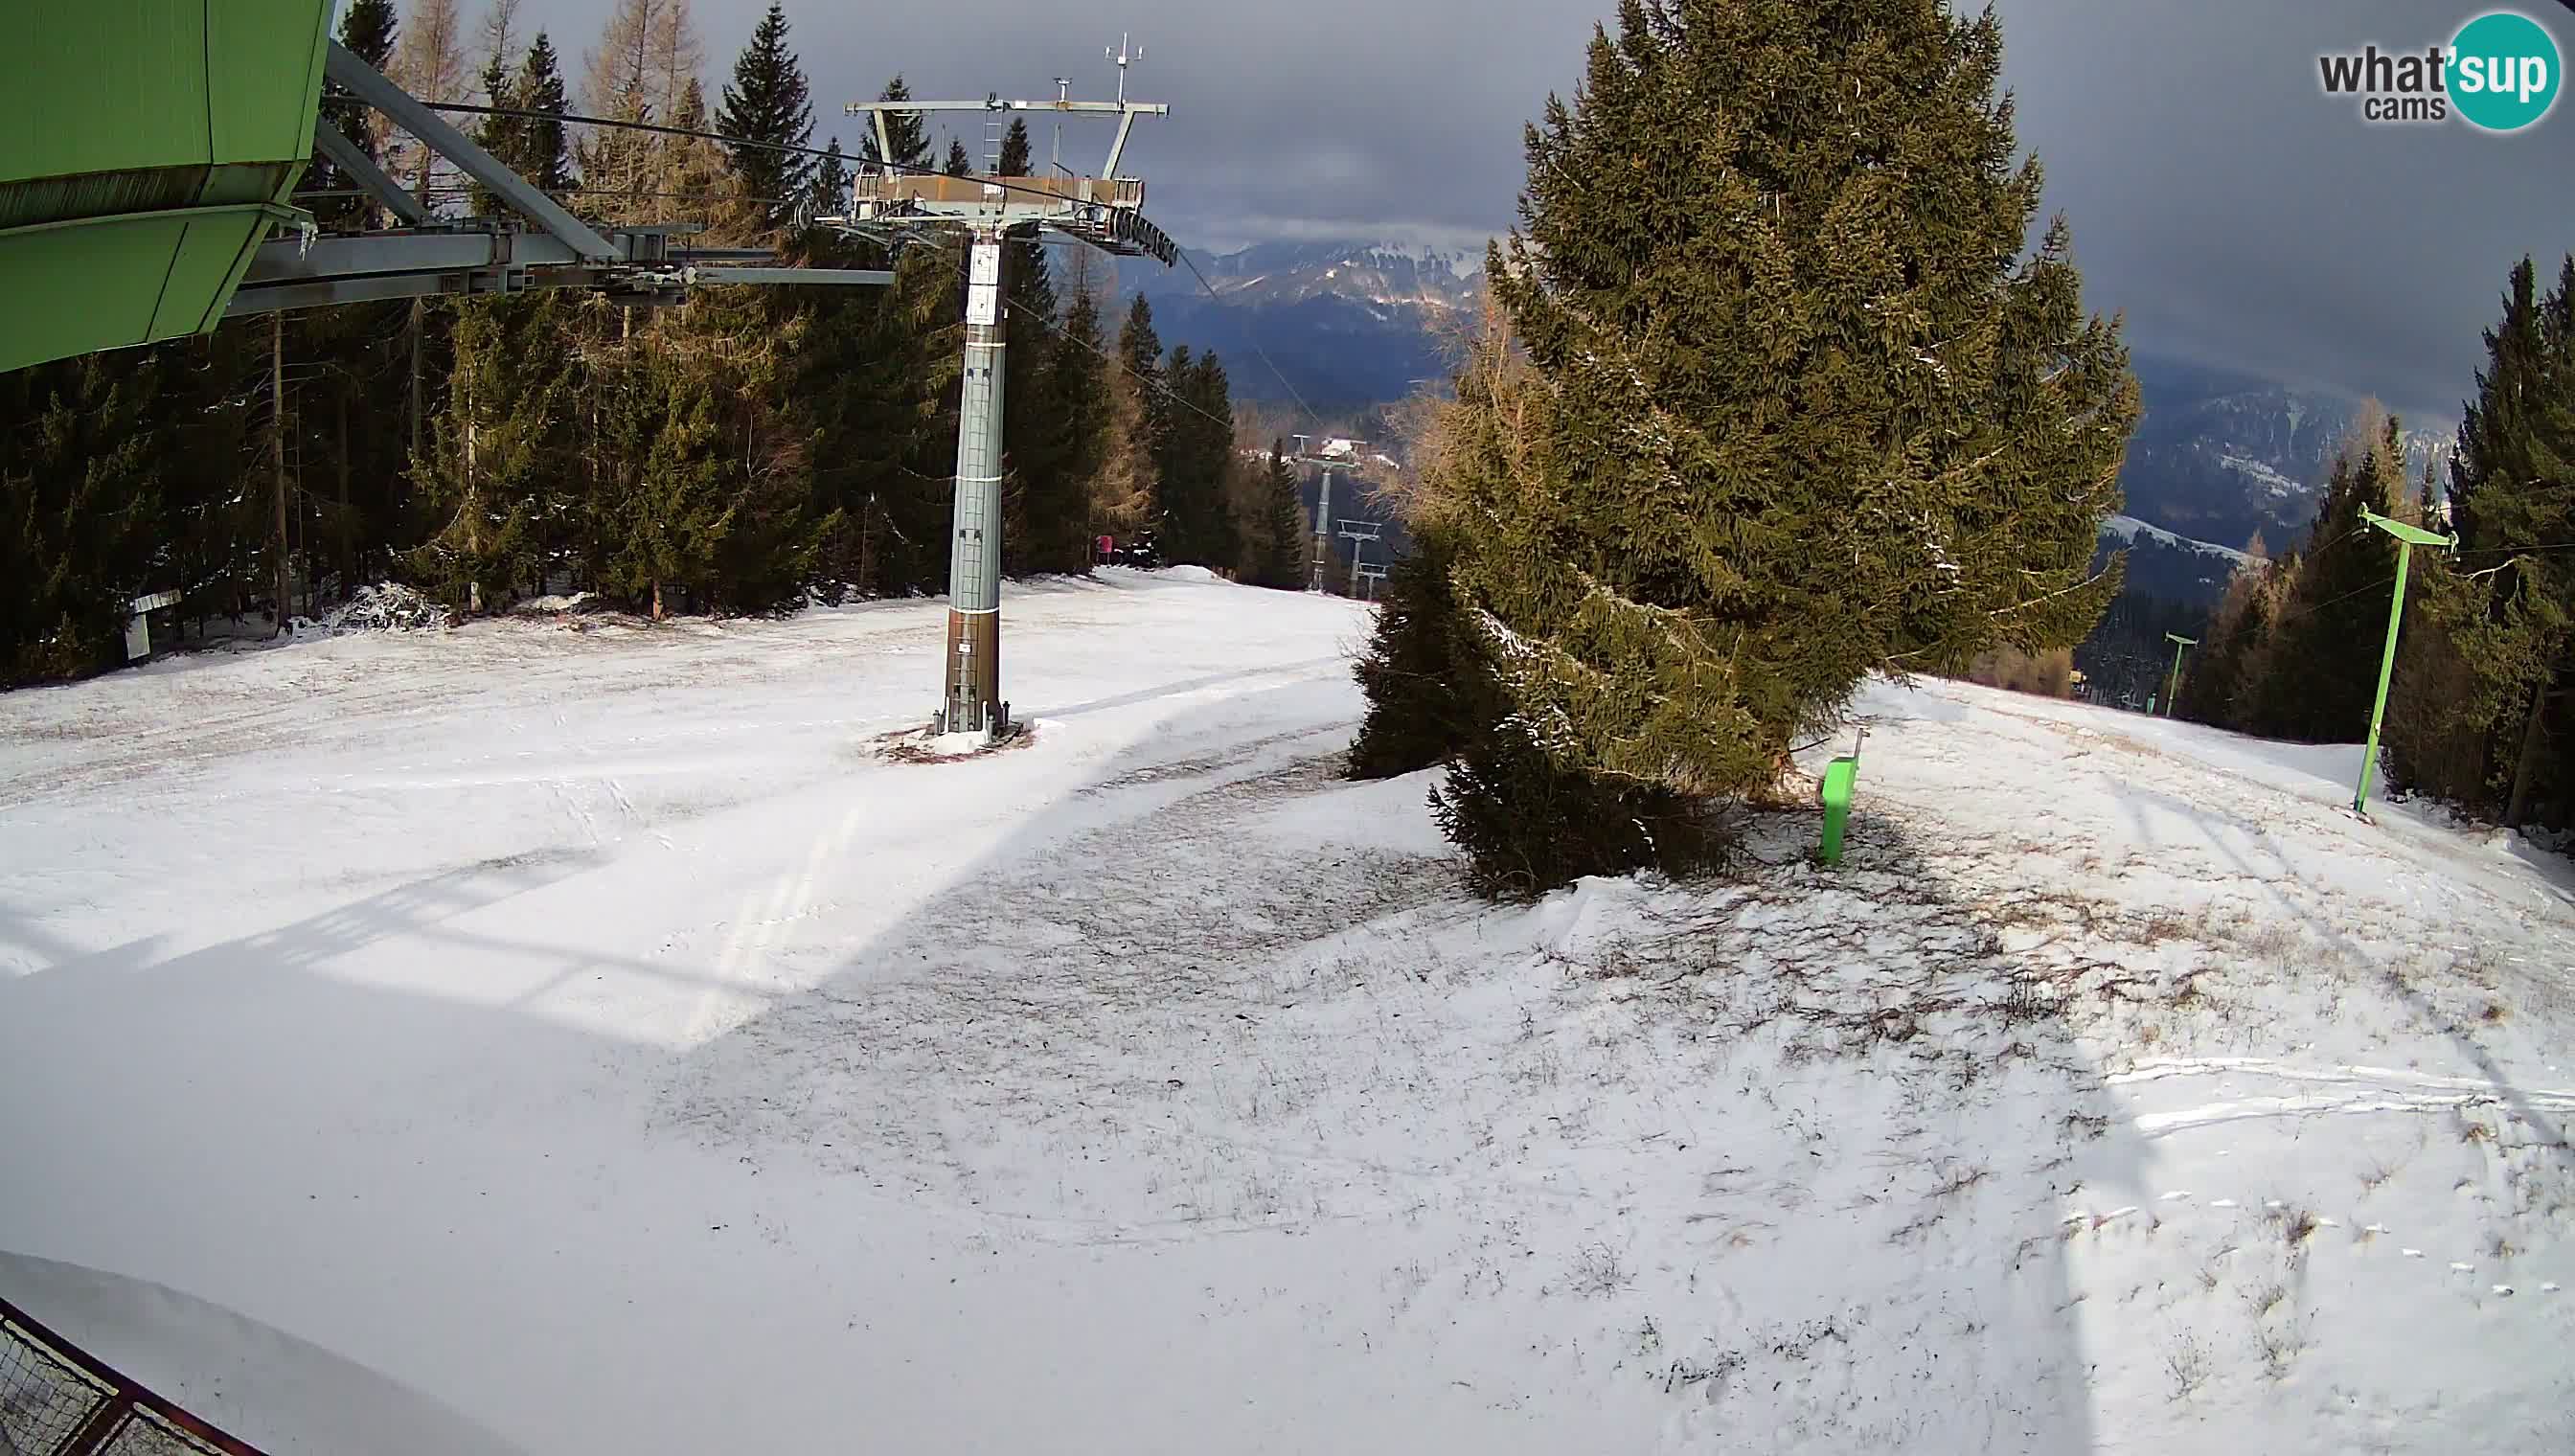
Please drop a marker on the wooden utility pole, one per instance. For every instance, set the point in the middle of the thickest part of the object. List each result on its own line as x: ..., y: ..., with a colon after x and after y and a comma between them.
x: 277, y: 453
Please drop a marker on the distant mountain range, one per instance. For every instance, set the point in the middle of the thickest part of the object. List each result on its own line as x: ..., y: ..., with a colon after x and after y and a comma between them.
x: 2221, y: 456
x: 2217, y: 458
x: 1349, y: 323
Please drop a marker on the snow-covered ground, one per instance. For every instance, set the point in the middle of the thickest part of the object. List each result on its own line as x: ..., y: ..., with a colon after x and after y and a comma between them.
x: 593, y: 1030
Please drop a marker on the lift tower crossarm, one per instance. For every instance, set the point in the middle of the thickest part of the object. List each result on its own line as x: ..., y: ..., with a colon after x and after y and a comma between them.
x: 995, y: 103
x: 1124, y: 111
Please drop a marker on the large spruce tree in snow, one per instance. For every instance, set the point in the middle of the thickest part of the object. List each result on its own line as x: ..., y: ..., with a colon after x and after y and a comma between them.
x: 1802, y: 406
x: 767, y: 101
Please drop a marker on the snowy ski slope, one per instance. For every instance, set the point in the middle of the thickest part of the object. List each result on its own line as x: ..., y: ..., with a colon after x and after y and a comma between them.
x: 589, y: 1032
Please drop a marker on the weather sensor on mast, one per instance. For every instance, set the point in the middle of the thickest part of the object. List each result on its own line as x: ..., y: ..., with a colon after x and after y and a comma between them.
x: 1123, y: 60
x: 887, y: 200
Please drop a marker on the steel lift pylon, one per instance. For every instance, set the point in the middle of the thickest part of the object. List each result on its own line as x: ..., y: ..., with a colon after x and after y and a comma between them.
x: 1105, y: 211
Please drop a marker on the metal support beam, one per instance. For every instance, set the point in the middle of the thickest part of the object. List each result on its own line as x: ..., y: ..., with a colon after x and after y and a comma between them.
x: 370, y: 86
x: 291, y: 273
x: 853, y: 276
x: 362, y: 169
x: 1126, y: 124
x: 286, y: 259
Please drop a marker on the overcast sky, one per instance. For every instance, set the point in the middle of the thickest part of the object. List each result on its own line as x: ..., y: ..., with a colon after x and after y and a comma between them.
x: 2235, y: 214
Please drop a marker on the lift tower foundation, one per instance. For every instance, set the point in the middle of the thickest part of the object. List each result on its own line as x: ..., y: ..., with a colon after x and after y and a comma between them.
x: 892, y: 204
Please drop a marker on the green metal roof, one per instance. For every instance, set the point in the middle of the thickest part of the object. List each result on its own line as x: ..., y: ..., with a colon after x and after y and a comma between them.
x: 146, y: 148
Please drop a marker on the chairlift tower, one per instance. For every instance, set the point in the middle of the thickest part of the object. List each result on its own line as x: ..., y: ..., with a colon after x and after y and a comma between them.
x: 1358, y: 534
x: 889, y: 205
x: 1324, y: 498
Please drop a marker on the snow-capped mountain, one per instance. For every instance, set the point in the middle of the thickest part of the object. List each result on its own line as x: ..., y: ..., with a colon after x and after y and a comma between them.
x: 1347, y: 322
x: 1389, y: 276
x: 2220, y: 456
x: 2162, y: 564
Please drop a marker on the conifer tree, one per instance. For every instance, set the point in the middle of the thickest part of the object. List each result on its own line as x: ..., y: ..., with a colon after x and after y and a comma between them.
x: 1016, y: 153
x: 1123, y: 487
x: 1283, y: 532
x: 875, y: 369
x: 768, y: 101
x: 1079, y: 395
x: 2231, y: 648
x: 1198, y: 524
x: 1800, y: 409
x: 1140, y: 353
x: 80, y: 467
x: 1140, y: 346
x: 501, y: 448
x: 2321, y: 672
x: 692, y: 167
x: 498, y: 135
x: 542, y: 149
x: 827, y: 194
x: 2512, y: 488
x: 958, y: 164
x: 1414, y: 718
x: 670, y: 525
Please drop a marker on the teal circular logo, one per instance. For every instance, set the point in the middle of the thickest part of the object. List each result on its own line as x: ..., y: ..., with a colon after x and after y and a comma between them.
x: 2504, y: 71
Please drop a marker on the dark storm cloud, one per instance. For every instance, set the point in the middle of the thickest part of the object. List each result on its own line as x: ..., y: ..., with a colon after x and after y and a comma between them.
x: 2234, y: 212
x: 2242, y: 218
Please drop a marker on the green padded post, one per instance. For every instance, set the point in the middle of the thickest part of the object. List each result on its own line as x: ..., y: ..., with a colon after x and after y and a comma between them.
x: 1839, y: 774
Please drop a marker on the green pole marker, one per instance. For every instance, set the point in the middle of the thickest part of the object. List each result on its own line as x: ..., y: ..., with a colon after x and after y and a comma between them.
x: 2172, y: 695
x: 2407, y: 537
x: 1840, y: 776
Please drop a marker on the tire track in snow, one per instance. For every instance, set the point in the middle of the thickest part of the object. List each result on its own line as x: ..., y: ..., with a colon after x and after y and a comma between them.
x: 2342, y: 1091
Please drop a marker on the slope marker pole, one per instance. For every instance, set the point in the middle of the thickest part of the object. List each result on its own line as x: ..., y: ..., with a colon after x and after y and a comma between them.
x: 2407, y: 537
x: 2172, y: 690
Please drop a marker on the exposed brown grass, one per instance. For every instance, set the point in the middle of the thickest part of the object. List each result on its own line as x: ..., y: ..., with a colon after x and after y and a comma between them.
x: 2048, y: 674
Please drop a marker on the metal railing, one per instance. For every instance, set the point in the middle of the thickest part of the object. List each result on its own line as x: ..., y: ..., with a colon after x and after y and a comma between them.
x: 56, y: 1399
